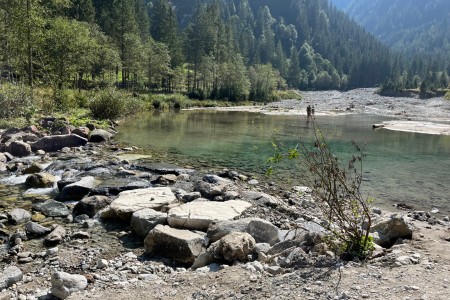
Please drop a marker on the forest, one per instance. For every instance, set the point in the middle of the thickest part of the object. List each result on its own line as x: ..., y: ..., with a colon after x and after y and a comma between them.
x: 207, y: 49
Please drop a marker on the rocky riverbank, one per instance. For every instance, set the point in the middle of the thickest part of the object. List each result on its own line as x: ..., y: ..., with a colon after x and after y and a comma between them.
x: 84, y: 218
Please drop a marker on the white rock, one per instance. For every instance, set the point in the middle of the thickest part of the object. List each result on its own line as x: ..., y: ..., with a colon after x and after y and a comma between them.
x: 198, y: 215
x: 102, y: 264
x: 64, y: 284
x: 144, y: 220
x: 10, y: 276
x: 129, y: 202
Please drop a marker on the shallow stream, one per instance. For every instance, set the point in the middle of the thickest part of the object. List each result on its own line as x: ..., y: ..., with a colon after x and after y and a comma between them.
x: 400, y: 167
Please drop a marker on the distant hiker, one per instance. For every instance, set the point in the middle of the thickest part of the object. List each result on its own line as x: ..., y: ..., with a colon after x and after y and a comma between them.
x: 308, y: 111
x: 313, y: 110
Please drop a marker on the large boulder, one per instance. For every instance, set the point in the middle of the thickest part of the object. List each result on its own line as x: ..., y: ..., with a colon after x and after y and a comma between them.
x: 19, y: 149
x: 41, y: 180
x: 52, y: 208
x: 261, y: 230
x: 10, y: 276
x: 183, y: 246
x: 236, y: 246
x: 387, y: 231
x: 64, y: 284
x: 99, y: 136
x: 213, y: 186
x: 129, y: 202
x: 57, y: 142
x: 91, y: 205
x: 3, y: 158
x: 77, y: 190
x: 144, y: 220
x: 198, y: 215
x: 19, y: 216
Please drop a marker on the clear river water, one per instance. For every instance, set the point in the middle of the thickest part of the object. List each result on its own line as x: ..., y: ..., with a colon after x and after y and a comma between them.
x: 400, y: 167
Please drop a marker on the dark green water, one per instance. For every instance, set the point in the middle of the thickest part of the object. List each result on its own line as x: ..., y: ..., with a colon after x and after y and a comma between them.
x: 400, y: 167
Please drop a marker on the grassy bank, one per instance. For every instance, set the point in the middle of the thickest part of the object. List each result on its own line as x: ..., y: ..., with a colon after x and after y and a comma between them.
x: 20, y: 106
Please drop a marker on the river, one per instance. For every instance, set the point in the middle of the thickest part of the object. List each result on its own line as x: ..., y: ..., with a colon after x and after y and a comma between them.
x: 400, y: 167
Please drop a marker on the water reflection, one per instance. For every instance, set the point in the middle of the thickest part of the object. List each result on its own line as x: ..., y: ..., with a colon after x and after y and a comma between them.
x: 400, y: 166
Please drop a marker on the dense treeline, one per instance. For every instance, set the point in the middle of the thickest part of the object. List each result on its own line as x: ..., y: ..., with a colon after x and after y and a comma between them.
x: 222, y: 49
x: 420, y: 30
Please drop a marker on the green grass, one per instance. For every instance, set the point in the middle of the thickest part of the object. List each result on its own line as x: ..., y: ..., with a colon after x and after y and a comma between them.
x: 447, y: 96
x: 179, y: 101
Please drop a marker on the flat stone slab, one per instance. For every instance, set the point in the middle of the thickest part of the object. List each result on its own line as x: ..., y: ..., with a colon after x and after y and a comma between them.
x: 129, y: 202
x: 198, y: 215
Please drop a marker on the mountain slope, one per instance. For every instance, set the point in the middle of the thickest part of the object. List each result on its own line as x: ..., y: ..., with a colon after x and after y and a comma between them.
x: 411, y: 26
x: 330, y: 40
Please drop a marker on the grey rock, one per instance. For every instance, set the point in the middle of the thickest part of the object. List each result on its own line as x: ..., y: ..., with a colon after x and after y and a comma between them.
x: 188, y: 197
x: 262, y: 231
x: 19, y: 216
x: 236, y: 246
x: 102, y: 264
x: 212, y: 186
x: 91, y: 205
x: 198, y: 215
x: 81, y: 218
x: 10, y: 276
x: 5, y: 296
x: 130, y: 201
x: 274, y: 270
x: 3, y: 158
x: 77, y: 190
x: 57, y: 142
x: 64, y: 284
x: 296, y: 258
x: 52, y: 208
x: 35, y: 229
x: 388, y: 230
x: 183, y: 246
x: 56, y: 236
x: 144, y: 220
x: 19, y: 149
x: 261, y: 198
x: 166, y: 179
x: 99, y: 136
x: 41, y: 180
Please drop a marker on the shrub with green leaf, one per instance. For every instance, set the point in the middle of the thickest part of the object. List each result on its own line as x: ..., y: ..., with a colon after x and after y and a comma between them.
x: 336, y: 188
x: 113, y: 104
x: 15, y: 101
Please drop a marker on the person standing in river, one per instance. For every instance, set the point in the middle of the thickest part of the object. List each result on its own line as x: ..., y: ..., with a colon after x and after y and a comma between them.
x: 308, y: 111
x: 313, y: 111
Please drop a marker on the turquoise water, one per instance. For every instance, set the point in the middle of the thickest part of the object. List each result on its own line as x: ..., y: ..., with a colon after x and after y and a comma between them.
x: 400, y: 167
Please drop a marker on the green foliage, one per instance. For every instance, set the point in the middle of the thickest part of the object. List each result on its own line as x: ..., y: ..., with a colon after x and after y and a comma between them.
x: 288, y: 95
x: 265, y: 81
x: 113, y: 104
x: 336, y: 188
x: 15, y: 101
x: 447, y: 96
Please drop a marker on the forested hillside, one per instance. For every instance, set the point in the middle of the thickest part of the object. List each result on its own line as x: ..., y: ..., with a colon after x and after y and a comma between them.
x: 223, y: 49
x: 412, y: 26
